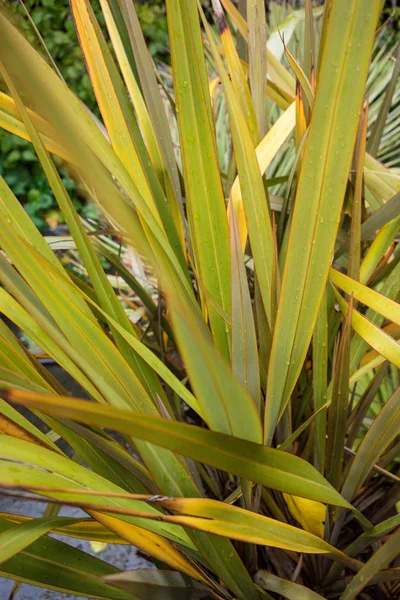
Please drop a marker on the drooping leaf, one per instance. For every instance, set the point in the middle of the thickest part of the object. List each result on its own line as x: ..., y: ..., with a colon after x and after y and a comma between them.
x: 285, y: 588
x: 78, y: 572
x: 158, y: 585
x: 256, y: 462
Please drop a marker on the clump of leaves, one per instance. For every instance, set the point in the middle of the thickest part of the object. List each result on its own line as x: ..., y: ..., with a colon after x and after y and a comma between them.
x: 257, y: 395
x: 19, y: 164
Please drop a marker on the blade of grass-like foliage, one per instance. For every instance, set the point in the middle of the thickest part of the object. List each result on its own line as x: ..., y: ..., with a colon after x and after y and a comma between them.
x: 10, y: 378
x: 10, y: 121
x: 257, y: 41
x: 353, y: 269
x: 82, y: 529
x: 159, y: 463
x: 251, y: 185
x: 226, y: 404
x: 289, y: 441
x: 212, y: 547
x: 80, y: 330
x: 301, y: 77
x: 8, y: 415
x: 379, y: 560
x: 178, y: 483
x: 373, y: 535
x: 155, y: 363
x: 158, y: 585
x: 79, y: 573
x: 100, y: 282
x: 15, y: 357
x: 287, y: 589
x: 20, y: 536
x: 19, y: 220
x: 245, y: 525
x: 104, y: 456
x: 385, y: 306
x: 379, y: 125
x: 310, y: 514
x: 265, y: 152
x: 62, y: 473
x: 378, y: 249
x: 124, y: 53
x: 222, y: 519
x: 380, y: 180
x: 320, y: 382
x: 236, y: 72
x: 337, y: 416
x: 204, y: 194
x: 150, y: 543
x: 390, y: 289
x: 31, y: 323
x: 245, y: 362
x: 10, y: 427
x: 276, y: 71
x: 310, y: 56
x: 375, y: 337
x: 94, y: 157
x: 358, y: 414
x: 368, y: 538
x: 150, y: 87
x: 256, y: 462
x: 389, y: 211
x: 367, y: 367
x: 383, y: 431
x: 119, y: 119
x: 321, y: 188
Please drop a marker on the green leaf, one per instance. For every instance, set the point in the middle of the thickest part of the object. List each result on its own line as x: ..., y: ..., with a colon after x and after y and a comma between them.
x: 383, y: 431
x: 245, y: 361
x: 389, y: 289
x: 267, y: 466
x: 383, y: 215
x: 17, y: 538
x: 379, y: 125
x: 82, y: 529
x: 245, y: 525
x: 204, y: 194
x: 337, y: 417
x: 149, y: 584
x: 285, y: 588
x: 77, y: 573
x: 251, y: 186
x: 379, y: 303
x: 257, y: 39
x: 379, y: 561
x: 378, y: 249
x: 100, y: 282
x: 377, y: 338
x: 320, y: 381
x: 320, y: 193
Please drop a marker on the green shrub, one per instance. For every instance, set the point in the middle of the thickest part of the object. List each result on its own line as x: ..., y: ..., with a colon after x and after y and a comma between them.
x: 244, y: 341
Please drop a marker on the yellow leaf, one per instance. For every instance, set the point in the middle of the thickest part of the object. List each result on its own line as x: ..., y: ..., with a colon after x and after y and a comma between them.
x: 308, y: 513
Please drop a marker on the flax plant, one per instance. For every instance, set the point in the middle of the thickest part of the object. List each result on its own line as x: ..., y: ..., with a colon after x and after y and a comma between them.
x: 238, y: 355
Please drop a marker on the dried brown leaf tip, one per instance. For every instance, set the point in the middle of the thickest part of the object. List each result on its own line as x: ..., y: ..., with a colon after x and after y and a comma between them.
x: 219, y: 16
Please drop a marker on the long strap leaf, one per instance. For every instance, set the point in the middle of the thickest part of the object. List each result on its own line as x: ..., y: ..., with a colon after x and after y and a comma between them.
x: 320, y: 193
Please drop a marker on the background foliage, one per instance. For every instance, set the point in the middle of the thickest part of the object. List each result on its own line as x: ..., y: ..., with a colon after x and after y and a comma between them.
x: 19, y: 165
